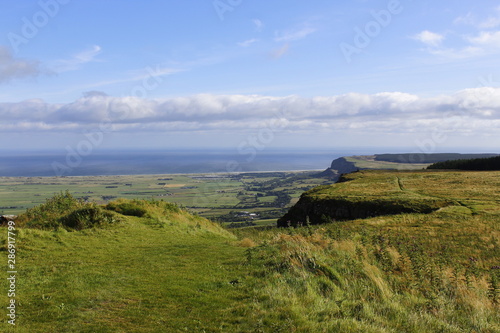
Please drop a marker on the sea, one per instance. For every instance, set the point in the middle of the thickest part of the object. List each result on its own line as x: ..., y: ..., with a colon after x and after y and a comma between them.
x: 136, y: 162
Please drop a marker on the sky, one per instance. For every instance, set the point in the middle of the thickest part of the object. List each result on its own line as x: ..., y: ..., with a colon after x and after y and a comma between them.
x: 239, y: 74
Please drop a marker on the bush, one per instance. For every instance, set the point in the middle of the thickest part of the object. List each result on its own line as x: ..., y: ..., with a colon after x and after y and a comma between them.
x: 143, y: 208
x: 127, y: 208
x: 65, y: 211
x: 88, y: 217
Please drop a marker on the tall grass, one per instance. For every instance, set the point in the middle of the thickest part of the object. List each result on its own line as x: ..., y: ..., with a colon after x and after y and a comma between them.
x: 354, y: 277
x: 65, y: 211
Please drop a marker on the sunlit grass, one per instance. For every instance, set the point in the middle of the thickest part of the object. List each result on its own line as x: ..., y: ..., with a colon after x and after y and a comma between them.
x: 161, y: 269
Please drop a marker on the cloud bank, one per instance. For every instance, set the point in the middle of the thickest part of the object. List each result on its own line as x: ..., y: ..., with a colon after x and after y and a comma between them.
x: 12, y: 68
x: 470, y: 111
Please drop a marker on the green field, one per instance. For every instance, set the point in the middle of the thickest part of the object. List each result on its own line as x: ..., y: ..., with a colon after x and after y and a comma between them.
x: 170, y: 271
x: 369, y: 162
x: 214, y: 196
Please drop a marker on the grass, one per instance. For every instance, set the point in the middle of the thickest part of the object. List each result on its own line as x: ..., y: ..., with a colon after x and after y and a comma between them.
x: 369, y: 162
x: 144, y: 274
x: 372, y: 193
x: 161, y: 269
x: 413, y: 272
x: 406, y: 273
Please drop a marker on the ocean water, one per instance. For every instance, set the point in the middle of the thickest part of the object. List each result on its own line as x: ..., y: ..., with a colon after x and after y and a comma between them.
x: 37, y: 164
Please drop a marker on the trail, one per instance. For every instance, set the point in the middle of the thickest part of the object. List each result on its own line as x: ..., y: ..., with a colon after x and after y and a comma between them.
x: 400, y: 184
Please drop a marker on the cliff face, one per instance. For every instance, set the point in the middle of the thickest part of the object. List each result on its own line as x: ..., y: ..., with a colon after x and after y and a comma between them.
x: 333, y: 209
x: 341, y: 165
x: 337, y: 168
x: 357, y: 196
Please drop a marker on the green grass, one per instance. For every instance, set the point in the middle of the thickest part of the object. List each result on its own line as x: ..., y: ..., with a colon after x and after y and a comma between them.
x: 372, y: 193
x: 434, y: 272
x: 161, y: 269
x: 142, y: 275
x: 369, y: 162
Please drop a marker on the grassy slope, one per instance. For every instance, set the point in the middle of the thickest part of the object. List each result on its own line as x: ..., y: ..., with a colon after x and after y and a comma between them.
x: 472, y: 190
x: 137, y: 276
x: 369, y: 162
x: 437, y: 272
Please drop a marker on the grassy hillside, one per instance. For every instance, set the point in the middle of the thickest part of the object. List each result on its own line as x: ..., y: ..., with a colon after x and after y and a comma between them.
x: 373, y: 193
x: 153, y: 267
x: 416, y: 161
x: 168, y: 273
x: 436, y: 272
x: 370, y: 162
x: 408, y: 272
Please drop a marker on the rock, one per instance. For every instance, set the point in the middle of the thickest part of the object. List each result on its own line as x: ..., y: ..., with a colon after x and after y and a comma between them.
x: 338, y: 167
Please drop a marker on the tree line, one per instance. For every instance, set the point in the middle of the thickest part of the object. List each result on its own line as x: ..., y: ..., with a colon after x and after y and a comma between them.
x: 477, y: 164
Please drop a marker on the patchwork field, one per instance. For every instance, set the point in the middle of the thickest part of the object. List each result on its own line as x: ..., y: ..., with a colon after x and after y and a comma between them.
x: 217, y: 196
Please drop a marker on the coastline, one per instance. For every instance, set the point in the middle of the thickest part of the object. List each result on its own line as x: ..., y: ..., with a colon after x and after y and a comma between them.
x: 168, y: 174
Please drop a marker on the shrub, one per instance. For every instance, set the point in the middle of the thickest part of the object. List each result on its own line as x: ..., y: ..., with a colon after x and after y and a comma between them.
x: 143, y: 208
x: 127, y: 208
x: 88, y: 217
x: 65, y: 211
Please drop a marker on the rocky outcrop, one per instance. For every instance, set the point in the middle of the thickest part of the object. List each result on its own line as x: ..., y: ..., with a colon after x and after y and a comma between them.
x: 339, y: 209
x: 342, y: 201
x: 341, y: 165
x: 338, y: 167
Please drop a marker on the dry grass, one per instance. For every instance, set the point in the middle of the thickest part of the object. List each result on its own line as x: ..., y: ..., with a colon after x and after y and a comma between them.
x: 247, y: 242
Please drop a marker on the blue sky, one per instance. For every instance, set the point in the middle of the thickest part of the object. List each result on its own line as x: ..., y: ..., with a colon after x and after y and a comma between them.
x: 423, y: 75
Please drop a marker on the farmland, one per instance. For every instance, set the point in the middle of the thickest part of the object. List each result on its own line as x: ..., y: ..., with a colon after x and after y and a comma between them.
x: 220, y: 197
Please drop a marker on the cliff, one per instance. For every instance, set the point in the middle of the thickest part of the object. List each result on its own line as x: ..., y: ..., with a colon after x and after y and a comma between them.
x: 416, y: 161
x: 338, y: 167
x: 360, y: 195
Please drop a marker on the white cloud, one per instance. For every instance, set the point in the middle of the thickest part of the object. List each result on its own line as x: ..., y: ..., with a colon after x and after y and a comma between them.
x: 295, y: 34
x: 464, y: 53
x: 249, y: 42
x: 77, y: 60
x: 429, y: 38
x: 489, y: 22
x: 492, y: 21
x: 138, y: 75
x: 468, y: 19
x: 487, y: 39
x: 12, y: 68
x: 474, y: 45
x: 468, y: 111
